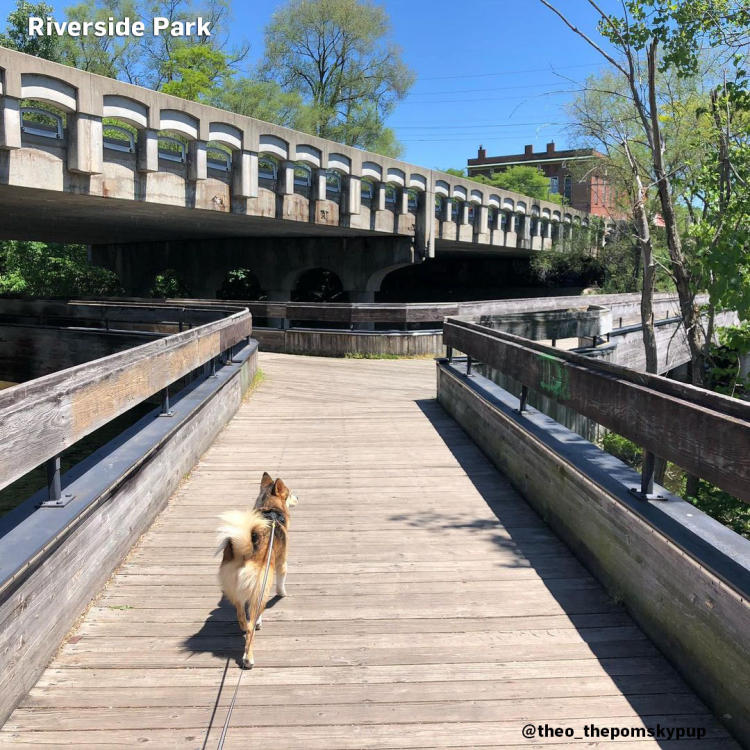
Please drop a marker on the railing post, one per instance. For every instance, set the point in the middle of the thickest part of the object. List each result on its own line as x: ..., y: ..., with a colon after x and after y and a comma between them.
x: 523, y: 399
x: 468, y: 366
x: 56, y: 498
x: 646, y: 490
x: 165, y: 410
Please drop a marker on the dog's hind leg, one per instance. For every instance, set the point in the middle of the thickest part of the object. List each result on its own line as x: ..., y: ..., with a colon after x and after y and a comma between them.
x: 281, y: 580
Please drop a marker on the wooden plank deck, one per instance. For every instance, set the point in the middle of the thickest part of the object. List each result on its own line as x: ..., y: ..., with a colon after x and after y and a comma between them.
x: 429, y: 606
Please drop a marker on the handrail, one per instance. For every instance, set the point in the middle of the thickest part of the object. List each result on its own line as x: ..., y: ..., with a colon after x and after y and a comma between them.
x: 41, y: 418
x: 704, y: 433
x: 110, y: 311
x: 427, y: 312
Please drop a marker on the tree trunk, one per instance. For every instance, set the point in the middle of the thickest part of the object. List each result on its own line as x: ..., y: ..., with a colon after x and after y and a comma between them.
x: 691, y: 320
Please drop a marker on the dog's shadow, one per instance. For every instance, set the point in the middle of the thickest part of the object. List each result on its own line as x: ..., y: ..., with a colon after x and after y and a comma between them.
x: 220, y: 634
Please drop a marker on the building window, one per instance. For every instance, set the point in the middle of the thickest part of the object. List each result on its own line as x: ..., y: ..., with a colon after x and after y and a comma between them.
x: 554, y: 184
x: 391, y: 194
x: 218, y: 157
x: 439, y: 207
x: 368, y: 192
x: 568, y: 189
x: 117, y: 138
x: 172, y: 149
x: 302, y: 178
x: 268, y: 170
x: 413, y: 198
x: 333, y: 185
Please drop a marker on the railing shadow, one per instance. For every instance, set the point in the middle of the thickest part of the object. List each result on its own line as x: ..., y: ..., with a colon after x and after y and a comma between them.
x: 637, y: 669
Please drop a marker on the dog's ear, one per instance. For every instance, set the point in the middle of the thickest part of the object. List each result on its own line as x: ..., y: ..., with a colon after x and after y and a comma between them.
x: 266, y: 480
x: 280, y: 489
x: 292, y: 500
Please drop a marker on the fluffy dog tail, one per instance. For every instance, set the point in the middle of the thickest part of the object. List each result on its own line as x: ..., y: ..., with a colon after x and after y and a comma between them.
x: 242, y: 532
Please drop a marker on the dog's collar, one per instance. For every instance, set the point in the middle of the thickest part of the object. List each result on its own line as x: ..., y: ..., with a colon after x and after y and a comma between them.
x: 274, y: 515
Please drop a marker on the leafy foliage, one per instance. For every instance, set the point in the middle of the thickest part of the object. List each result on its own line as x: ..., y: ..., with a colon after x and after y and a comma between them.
x: 529, y: 181
x: 39, y: 269
x: 169, y: 283
x: 336, y: 55
x: 16, y: 32
x: 240, y: 283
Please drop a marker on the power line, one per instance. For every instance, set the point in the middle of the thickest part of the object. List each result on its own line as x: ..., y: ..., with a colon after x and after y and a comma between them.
x: 494, y: 98
x: 509, y: 72
x: 467, y: 127
x: 473, y: 91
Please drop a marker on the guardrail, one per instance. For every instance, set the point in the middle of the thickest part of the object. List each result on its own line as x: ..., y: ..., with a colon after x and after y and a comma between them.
x: 705, y: 433
x: 41, y: 418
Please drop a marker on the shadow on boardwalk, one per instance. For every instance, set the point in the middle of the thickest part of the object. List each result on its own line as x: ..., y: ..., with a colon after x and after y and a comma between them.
x: 518, y: 529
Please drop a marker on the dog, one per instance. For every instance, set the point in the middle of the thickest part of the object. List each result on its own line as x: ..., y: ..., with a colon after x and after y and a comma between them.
x: 244, y: 537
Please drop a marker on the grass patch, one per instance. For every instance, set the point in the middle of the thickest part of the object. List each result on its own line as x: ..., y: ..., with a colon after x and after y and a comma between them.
x: 368, y: 355
x: 258, y: 379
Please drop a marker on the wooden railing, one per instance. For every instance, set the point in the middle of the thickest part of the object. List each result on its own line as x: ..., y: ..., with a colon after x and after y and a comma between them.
x: 41, y: 418
x: 704, y: 433
x: 625, y: 308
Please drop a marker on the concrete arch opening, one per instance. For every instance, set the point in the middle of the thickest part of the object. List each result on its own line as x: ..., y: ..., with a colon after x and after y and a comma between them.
x: 319, y: 285
x: 241, y: 284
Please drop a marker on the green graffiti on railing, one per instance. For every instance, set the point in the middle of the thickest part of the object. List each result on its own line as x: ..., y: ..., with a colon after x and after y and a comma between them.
x: 553, y: 377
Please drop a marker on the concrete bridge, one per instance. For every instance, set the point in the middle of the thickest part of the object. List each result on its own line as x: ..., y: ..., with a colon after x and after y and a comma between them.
x: 461, y: 565
x: 153, y: 181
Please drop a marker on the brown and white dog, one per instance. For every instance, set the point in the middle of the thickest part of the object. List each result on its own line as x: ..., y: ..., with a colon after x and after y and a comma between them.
x: 243, y: 539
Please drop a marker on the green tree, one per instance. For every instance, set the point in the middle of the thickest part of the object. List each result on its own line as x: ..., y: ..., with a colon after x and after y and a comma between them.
x: 40, y: 269
x: 103, y: 55
x: 17, y: 37
x: 264, y: 100
x: 667, y: 36
x: 336, y: 54
x: 529, y: 181
x: 195, y: 71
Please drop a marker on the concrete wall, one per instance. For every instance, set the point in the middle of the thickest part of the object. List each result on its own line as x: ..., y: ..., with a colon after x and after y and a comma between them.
x: 683, y: 576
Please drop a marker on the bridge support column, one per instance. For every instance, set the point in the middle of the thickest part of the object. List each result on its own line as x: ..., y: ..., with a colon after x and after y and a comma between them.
x: 147, y: 156
x: 286, y: 178
x: 245, y: 178
x: 197, y: 164
x: 424, y: 237
x: 483, y: 231
x: 84, y: 143
x: 354, y: 195
x: 10, y: 122
x: 547, y: 236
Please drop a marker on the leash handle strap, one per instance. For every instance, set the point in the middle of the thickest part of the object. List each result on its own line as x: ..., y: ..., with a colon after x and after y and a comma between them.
x: 255, y: 620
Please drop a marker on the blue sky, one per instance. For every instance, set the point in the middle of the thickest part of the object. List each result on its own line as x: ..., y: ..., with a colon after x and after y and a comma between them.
x: 494, y: 72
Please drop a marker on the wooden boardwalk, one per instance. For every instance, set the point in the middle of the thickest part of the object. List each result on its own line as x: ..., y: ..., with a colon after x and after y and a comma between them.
x: 429, y: 607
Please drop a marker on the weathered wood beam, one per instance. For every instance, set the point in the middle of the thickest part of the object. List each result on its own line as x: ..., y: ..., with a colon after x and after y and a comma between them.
x: 704, y: 433
x: 41, y: 418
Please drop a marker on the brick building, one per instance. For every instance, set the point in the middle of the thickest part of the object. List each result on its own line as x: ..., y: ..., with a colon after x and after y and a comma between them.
x: 563, y: 168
